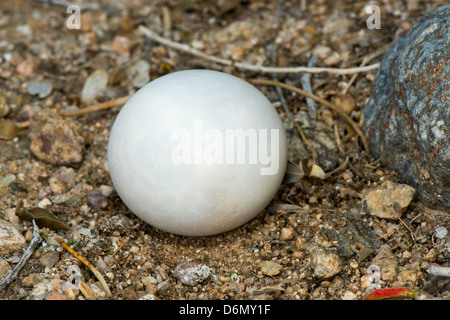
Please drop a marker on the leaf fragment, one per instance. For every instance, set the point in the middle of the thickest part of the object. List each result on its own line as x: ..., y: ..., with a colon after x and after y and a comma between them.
x: 293, y: 173
x: 9, y: 130
x: 43, y: 217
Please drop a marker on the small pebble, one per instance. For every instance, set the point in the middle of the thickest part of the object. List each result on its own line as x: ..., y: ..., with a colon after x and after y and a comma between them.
x: 270, y: 268
x: 40, y: 290
x: 56, y: 140
x: 147, y: 297
x: 6, y: 180
x: 106, y: 190
x: 96, y: 199
x: 441, y: 232
x: 386, y: 262
x: 55, y: 295
x: 26, y: 68
x: 191, y: 273
x: 4, y: 268
x: 140, y: 73
x: 10, y: 239
x: 49, y: 259
x: 348, y: 295
x: 94, y: 86
x: 287, y: 234
x: 42, y: 89
x: 121, y: 46
x: 326, y: 263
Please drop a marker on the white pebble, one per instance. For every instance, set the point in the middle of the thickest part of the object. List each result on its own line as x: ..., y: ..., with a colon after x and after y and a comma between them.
x: 441, y: 232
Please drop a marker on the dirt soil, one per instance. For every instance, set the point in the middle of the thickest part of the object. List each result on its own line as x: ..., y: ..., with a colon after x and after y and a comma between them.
x: 271, y: 257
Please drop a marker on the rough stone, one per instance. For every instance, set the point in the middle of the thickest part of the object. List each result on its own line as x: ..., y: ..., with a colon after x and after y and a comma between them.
x: 4, y: 268
x: 326, y: 263
x: 386, y: 262
x: 42, y: 89
x: 191, y: 273
x: 388, y: 201
x: 56, y: 141
x: 96, y: 199
x: 270, y: 268
x: 407, y: 119
x: 10, y: 239
x: 49, y: 259
x: 287, y: 234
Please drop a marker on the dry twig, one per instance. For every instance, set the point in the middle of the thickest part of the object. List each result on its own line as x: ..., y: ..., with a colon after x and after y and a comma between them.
x: 341, y: 167
x: 314, y: 154
x: 87, y: 264
x: 97, y: 107
x: 320, y: 100
x: 305, y: 81
x: 246, y: 66
x: 66, y: 4
x: 34, y: 244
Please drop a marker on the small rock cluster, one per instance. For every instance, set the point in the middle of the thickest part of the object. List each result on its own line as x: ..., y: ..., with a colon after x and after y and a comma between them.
x: 364, y: 228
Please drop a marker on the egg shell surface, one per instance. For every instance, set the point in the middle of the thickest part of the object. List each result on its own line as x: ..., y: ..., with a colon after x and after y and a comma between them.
x: 197, y: 152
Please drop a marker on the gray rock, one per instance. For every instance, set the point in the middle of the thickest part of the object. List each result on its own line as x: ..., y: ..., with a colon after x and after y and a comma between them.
x: 407, y: 119
x: 96, y: 199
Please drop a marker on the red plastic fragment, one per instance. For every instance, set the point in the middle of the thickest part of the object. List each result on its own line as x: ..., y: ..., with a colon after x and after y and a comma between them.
x: 392, y: 293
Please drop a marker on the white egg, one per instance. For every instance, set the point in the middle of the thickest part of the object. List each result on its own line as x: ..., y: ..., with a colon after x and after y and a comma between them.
x: 197, y: 152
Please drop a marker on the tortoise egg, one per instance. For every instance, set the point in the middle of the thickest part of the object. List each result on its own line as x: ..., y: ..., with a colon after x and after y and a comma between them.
x: 197, y: 152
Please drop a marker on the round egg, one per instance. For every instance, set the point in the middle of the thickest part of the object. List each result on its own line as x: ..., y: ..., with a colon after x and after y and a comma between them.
x: 197, y: 152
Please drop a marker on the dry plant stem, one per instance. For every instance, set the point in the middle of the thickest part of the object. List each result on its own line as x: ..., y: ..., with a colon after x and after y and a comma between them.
x: 359, y: 174
x: 98, y: 107
x: 413, y: 235
x: 314, y: 154
x: 34, y: 244
x: 320, y: 100
x: 246, y: 66
x: 341, y: 167
x: 439, y: 271
x: 367, y: 59
x: 167, y: 21
x: 305, y: 81
x: 87, y: 264
x: 67, y: 4
x: 338, y: 139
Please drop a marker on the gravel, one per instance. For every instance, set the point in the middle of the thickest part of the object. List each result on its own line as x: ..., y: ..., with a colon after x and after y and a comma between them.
x: 314, y: 241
